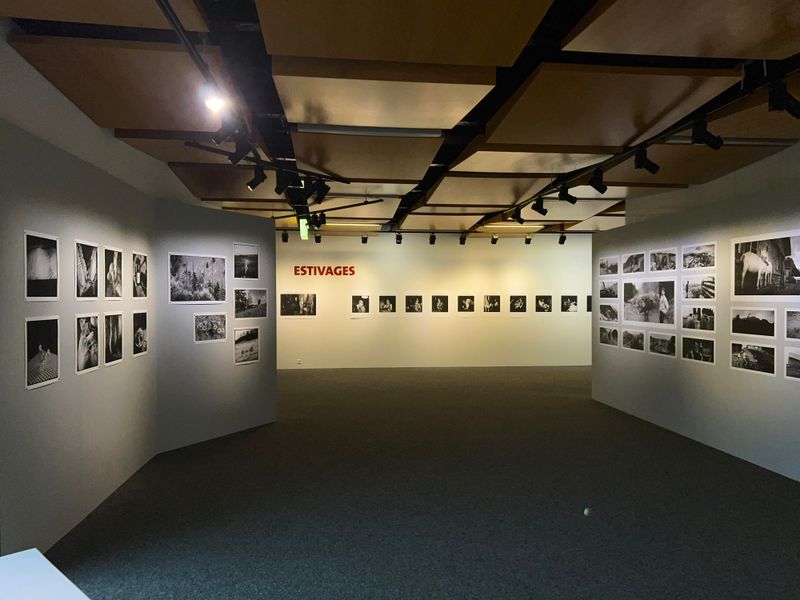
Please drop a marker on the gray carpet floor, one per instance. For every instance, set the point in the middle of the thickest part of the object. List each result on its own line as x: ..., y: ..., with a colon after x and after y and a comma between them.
x: 442, y: 483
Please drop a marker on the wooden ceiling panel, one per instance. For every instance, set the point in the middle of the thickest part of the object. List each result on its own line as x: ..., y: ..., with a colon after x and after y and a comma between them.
x: 598, y: 224
x: 559, y: 210
x: 176, y: 151
x: 417, y: 222
x: 372, y: 188
x: 452, y: 32
x: 711, y: 28
x: 382, y: 211
x: 601, y: 106
x: 224, y: 182
x: 497, y: 191
x: 488, y: 159
x: 453, y: 210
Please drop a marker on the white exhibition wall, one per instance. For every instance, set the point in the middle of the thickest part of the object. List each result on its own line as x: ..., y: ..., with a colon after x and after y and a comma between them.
x: 749, y: 414
x: 334, y: 339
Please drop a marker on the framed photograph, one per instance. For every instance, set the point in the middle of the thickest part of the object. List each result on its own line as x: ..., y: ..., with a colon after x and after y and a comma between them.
x: 589, y: 303
x: 699, y: 317
x: 491, y: 303
x: 609, y: 290
x: 298, y: 305
x: 210, y: 327
x: 87, y: 343
x: 663, y: 261
x: 245, y: 261
x: 662, y: 344
x: 518, y: 305
x: 766, y: 266
x: 139, y: 279
x: 113, y: 337
x: 792, y: 333
x: 755, y: 358
x: 466, y: 304
x: 699, y: 287
x: 413, y: 303
x: 246, y: 346
x: 608, y: 265
x: 609, y: 336
x: 758, y: 321
x: 87, y: 257
x: 649, y: 301
x: 792, y: 367
x: 250, y: 303
x: 140, y: 333
x: 699, y: 256
x: 698, y: 349
x: 543, y: 302
x: 42, y: 362
x: 633, y: 339
x: 387, y: 304
x: 633, y: 263
x: 569, y: 303
x: 41, y: 267
x: 359, y: 306
x: 196, y: 279
x: 112, y: 273
x: 440, y: 304
x: 609, y: 313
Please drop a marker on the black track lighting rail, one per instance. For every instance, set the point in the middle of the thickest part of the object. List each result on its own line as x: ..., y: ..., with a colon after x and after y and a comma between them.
x: 330, y: 210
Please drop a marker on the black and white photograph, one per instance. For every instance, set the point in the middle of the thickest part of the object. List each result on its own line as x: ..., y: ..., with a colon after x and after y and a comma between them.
x: 466, y: 303
x: 87, y: 343
x: 139, y: 333
x: 698, y: 317
x: 699, y: 287
x: 663, y: 260
x: 196, y: 279
x: 753, y: 321
x: 609, y: 313
x: 698, y: 349
x: 491, y: 303
x: 589, y: 303
x: 700, y: 256
x: 633, y: 263
x: 210, y: 327
x: 649, y: 301
x: 245, y: 346
x: 245, y: 261
x: 440, y: 303
x: 792, y: 367
x: 41, y: 351
x: 663, y: 344
x: 609, y: 336
x: 517, y: 304
x: 41, y: 266
x: 569, y: 303
x: 767, y: 266
x: 112, y: 273
x: 139, y: 278
x: 113, y: 337
x: 609, y: 265
x: 250, y: 303
x: 387, y: 304
x: 543, y: 303
x: 753, y: 357
x: 633, y: 339
x: 298, y: 305
x: 87, y: 257
x: 609, y: 290
x: 414, y: 304
x: 359, y: 305
x: 792, y: 332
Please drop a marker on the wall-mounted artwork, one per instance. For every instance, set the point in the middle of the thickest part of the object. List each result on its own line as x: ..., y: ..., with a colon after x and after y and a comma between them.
x: 698, y: 317
x: 298, y: 305
x: 698, y: 349
x: 569, y: 303
x: 609, y: 336
x: 633, y: 339
x: 245, y: 261
x: 87, y: 257
x: 140, y: 333
x: 359, y: 305
x: 608, y: 265
x: 87, y: 343
x: 792, y: 367
x: 195, y: 279
x: 633, y: 263
x: 387, y: 304
x: 755, y: 358
x: 246, y: 346
x: 663, y: 260
x: 589, y: 303
x: 491, y: 303
x: 440, y: 303
x: 210, y: 327
x: 113, y: 336
x: 517, y: 304
x: 649, y: 301
x: 139, y: 278
x: 414, y: 304
x: 700, y: 256
x: 753, y: 321
x: 609, y: 290
x: 250, y: 303
x: 41, y: 351
x: 699, y: 287
x: 609, y: 313
x: 662, y: 344
x: 767, y: 266
x: 112, y: 273
x: 466, y: 303
x: 41, y: 266
x: 543, y: 303
x: 792, y: 332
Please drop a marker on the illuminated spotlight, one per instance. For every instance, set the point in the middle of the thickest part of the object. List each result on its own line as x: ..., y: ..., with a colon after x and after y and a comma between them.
x: 528, y: 240
x: 563, y: 194
x: 538, y: 206
x: 562, y: 238
x: 597, y: 181
x: 518, y: 215
x: 284, y: 236
x: 462, y: 239
x: 432, y: 239
x: 640, y: 161
x: 701, y: 135
x: 229, y: 127
x: 259, y: 177
x: 282, y: 181
x: 242, y: 149
x: 317, y: 238
x: 321, y: 190
x: 781, y: 99
x: 214, y: 101
x: 398, y: 238
x: 495, y: 237
x: 364, y: 239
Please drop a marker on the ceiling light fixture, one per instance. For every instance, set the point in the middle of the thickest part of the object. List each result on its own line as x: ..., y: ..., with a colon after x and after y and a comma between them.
x: 364, y: 239
x: 563, y: 194
x: 321, y: 190
x: 597, y: 181
x: 284, y: 236
x: 462, y: 239
x: 701, y: 135
x: 528, y: 240
x: 228, y: 128
x: 317, y: 238
x: 259, y: 177
x: 562, y: 238
x: 781, y: 99
x: 282, y: 182
x: 432, y: 239
x: 212, y: 98
x: 640, y: 161
x: 538, y: 206
x: 518, y: 215
x: 242, y: 149
x: 398, y: 238
x: 495, y: 237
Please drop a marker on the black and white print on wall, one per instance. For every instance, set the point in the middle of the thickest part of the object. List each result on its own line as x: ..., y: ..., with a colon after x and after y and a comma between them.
x: 41, y: 351
x: 609, y: 313
x: 753, y: 321
x: 753, y: 357
x: 414, y: 304
x: 569, y: 303
x: 491, y: 303
x: 517, y: 304
x: 700, y: 256
x: 544, y: 303
x: 139, y: 278
x: 589, y: 303
x: 139, y: 333
x: 608, y: 265
x: 792, y: 367
x: 698, y: 349
x: 609, y: 336
x: 195, y: 279
x: 466, y: 303
x: 440, y: 303
x: 113, y: 335
x: 633, y: 263
x: 767, y: 266
x: 699, y: 287
x: 609, y: 290
x: 112, y: 273
x: 245, y: 261
x: 250, y: 303
x: 41, y: 266
x: 698, y: 317
x: 387, y: 304
x: 245, y: 346
x: 359, y: 305
x: 663, y: 344
x: 633, y: 339
x: 793, y: 325
x: 663, y: 260
x: 210, y: 327
x: 649, y: 301
x: 86, y: 270
x: 298, y: 305
x: 87, y: 343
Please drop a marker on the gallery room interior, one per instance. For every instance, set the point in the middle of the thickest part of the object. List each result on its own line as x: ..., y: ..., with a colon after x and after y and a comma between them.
x: 450, y: 299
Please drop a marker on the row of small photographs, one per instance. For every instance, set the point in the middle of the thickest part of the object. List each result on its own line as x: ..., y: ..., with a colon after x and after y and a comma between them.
x: 693, y: 287
x: 42, y: 344
x: 213, y: 327
x: 695, y: 257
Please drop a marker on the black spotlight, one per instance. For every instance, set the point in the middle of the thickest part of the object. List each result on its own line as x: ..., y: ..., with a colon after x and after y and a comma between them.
x: 518, y: 215
x: 242, y: 149
x: 528, y: 240
x: 321, y: 189
x: 562, y: 238
x: 229, y: 127
x: 640, y: 161
x: 322, y: 219
x: 364, y: 238
x: 313, y: 220
x: 317, y: 238
x: 597, y: 181
x: 701, y: 135
x: 432, y: 239
x: 781, y: 99
x: 563, y: 194
x: 462, y: 239
x: 282, y: 181
x: 259, y: 177
x: 495, y: 237
x: 398, y: 238
x: 538, y: 206
x: 284, y: 236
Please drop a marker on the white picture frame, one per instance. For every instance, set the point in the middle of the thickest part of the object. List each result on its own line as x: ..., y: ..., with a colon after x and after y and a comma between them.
x: 29, y: 268
x: 98, y: 341
x: 45, y: 357
x: 79, y: 258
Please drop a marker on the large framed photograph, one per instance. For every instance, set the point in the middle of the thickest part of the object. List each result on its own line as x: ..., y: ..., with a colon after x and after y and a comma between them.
x: 663, y: 261
x: 758, y: 321
x: 699, y: 256
x: 792, y: 333
x: 246, y: 345
x: 755, y: 358
x: 699, y: 287
x: 649, y: 301
x: 698, y: 349
x: 387, y: 304
x: 518, y: 305
x: 87, y: 343
x: 140, y: 333
x: 413, y: 304
x: 41, y: 266
x: 792, y: 366
x: 465, y: 304
x: 633, y: 263
x: 112, y: 273
x: 569, y: 303
x: 609, y: 336
x: 633, y: 339
x: 543, y: 302
x: 113, y: 337
x: 491, y: 304
x: 766, y: 266
x: 210, y: 327
x: 298, y: 305
x: 87, y: 265
x: 609, y: 290
x: 250, y: 303
x: 608, y: 265
x: 42, y: 362
x: 662, y: 344
x: 440, y: 304
x: 699, y: 317
x: 196, y: 279
x: 609, y: 313
x: 245, y: 261
x: 139, y: 278
x: 359, y: 305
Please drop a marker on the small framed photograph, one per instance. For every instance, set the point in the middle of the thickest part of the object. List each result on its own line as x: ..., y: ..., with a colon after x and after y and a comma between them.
x: 608, y: 265
x: 698, y: 349
x: 112, y: 273
x: 792, y: 366
x: 662, y: 344
x: 633, y: 263
x: 139, y: 279
x: 543, y: 302
x: 359, y: 305
x: 387, y: 304
x: 569, y: 303
x: 246, y: 345
x: 518, y: 305
x: 440, y: 304
x: 663, y: 261
x: 755, y: 321
x: 609, y: 336
x: 755, y: 358
x: 41, y: 267
x: 697, y: 257
x: 413, y: 303
x: 42, y: 362
x: 588, y: 303
x: 699, y: 317
x: 113, y: 335
x: 140, y: 333
x: 609, y: 313
x: 609, y: 290
x: 197, y: 279
x: 491, y: 304
x: 250, y: 303
x: 87, y: 343
x: 87, y: 267
x: 465, y: 304
x: 210, y: 327
x: 633, y: 339
x: 699, y: 287
x: 792, y: 332
x: 296, y: 305
x: 245, y: 261
x: 650, y: 301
